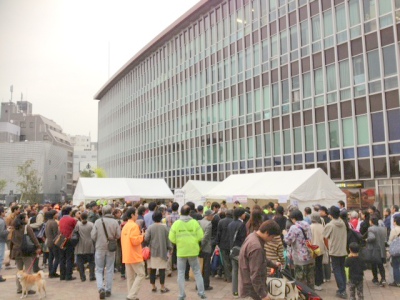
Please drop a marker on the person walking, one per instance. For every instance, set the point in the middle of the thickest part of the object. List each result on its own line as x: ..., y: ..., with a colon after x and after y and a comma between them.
x: 160, y: 247
x: 335, y: 234
x: 205, y: 253
x: 23, y: 261
x: 131, y: 243
x: 377, y: 236
x: 104, y: 230
x: 186, y: 234
x: 3, y: 239
x: 84, y: 250
x: 253, y: 262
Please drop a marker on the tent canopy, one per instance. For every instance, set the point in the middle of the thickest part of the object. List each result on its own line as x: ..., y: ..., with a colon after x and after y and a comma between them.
x: 196, y: 189
x: 89, y: 189
x: 300, y: 187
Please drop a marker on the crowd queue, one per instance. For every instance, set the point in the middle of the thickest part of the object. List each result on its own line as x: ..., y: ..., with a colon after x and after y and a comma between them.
x: 241, y: 245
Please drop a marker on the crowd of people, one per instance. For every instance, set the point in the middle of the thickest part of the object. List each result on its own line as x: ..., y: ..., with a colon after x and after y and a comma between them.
x: 239, y: 245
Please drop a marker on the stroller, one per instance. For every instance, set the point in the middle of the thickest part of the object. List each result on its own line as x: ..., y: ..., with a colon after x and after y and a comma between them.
x: 304, y: 292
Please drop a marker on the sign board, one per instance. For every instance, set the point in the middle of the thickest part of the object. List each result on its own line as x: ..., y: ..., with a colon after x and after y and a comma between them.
x: 132, y: 198
x: 240, y: 198
x: 295, y: 203
x: 283, y: 198
x: 229, y: 199
x: 179, y: 197
x: 350, y: 185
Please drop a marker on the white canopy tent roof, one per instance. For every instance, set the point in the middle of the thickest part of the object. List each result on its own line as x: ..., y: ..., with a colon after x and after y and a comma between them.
x: 89, y: 189
x: 301, y: 187
x: 195, y: 190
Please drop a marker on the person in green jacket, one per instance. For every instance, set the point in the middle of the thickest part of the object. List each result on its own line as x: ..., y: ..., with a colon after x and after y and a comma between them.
x: 186, y: 233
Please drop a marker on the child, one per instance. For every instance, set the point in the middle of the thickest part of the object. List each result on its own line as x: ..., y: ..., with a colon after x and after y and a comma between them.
x: 356, y: 272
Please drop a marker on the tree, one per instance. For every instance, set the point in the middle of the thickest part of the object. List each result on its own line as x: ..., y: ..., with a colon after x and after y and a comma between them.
x: 30, y: 183
x: 100, y: 173
x: 87, y: 173
x: 3, y: 184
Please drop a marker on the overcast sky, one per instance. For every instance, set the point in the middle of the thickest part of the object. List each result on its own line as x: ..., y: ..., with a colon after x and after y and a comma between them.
x: 56, y: 52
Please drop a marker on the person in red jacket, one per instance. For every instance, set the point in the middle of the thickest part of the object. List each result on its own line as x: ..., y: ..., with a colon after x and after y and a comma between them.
x: 67, y: 225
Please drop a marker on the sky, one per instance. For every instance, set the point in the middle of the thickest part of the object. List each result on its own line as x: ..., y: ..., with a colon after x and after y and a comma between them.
x: 58, y: 54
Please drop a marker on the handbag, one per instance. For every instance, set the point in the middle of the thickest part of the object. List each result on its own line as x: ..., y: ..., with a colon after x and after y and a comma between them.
x: 314, y: 250
x: 41, y: 234
x: 146, y: 253
x: 371, y: 255
x: 111, y: 244
x: 60, y: 241
x: 394, y: 247
x: 234, y: 253
x: 27, y: 246
x: 75, y: 238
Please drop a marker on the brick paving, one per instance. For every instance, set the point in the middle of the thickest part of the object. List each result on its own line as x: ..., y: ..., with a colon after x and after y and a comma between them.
x: 77, y: 290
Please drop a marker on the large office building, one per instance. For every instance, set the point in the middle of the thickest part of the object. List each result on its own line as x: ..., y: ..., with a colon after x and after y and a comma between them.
x: 241, y: 86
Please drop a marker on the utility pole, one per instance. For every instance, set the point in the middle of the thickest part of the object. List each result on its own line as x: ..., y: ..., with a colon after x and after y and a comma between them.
x: 11, y: 90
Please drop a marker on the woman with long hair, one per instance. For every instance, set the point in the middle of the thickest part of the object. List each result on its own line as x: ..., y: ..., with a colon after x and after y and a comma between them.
x: 84, y: 250
x: 160, y: 246
x: 23, y: 261
x: 256, y: 219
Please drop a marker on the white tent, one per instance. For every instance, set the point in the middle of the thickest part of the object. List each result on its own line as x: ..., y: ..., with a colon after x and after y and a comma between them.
x: 195, y: 190
x: 302, y: 188
x: 89, y: 189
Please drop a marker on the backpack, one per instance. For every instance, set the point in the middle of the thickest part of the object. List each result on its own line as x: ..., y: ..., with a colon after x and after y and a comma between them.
x: 394, y: 247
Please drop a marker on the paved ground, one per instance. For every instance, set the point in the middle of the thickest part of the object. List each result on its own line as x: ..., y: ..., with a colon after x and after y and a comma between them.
x: 78, y: 290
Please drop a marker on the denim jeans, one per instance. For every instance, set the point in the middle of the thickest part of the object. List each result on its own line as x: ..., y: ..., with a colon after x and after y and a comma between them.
x: 2, y: 251
x: 235, y: 273
x: 339, y: 272
x: 195, y: 265
x: 54, y: 259
x: 396, y: 269
x: 104, y: 260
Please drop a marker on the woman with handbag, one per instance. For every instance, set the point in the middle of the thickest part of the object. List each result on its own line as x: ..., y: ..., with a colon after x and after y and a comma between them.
x: 24, y: 247
x: 160, y: 246
x: 318, y: 239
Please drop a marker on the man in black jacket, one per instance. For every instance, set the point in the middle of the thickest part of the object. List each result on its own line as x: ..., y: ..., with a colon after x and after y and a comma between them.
x: 238, y: 228
x: 224, y: 243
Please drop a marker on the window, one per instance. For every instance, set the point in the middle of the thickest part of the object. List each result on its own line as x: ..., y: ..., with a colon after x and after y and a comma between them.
x: 328, y: 24
x: 307, y: 85
x: 297, y: 140
x: 274, y: 45
x: 389, y: 60
x: 348, y: 132
x: 45, y: 137
x: 304, y: 33
x: 334, y: 134
x: 294, y: 43
x: 374, y: 70
x: 316, y: 28
x: 369, y: 9
x: 358, y: 70
x: 309, y: 138
x: 31, y: 124
x: 321, y: 136
x: 277, y: 143
x: 267, y: 144
x: 344, y: 73
x: 318, y: 82
x: 22, y: 124
x: 287, y: 141
x: 331, y: 78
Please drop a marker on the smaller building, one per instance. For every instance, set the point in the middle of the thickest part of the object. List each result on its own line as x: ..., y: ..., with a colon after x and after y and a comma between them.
x: 85, y: 155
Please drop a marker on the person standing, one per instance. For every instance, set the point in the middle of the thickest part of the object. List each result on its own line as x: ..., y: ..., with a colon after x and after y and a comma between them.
x: 84, y: 250
x: 51, y: 232
x: 3, y: 239
x: 186, y: 234
x: 253, y: 262
x: 171, y: 218
x: 318, y: 239
x: 105, y: 229
x: 237, y: 235
x: 395, y: 261
x: 356, y: 272
x: 93, y: 213
x: 224, y: 244
x: 67, y: 225
x: 205, y: 224
x: 131, y: 243
x: 160, y: 246
x: 148, y: 218
x: 334, y: 238
x: 299, y: 233
x: 377, y: 236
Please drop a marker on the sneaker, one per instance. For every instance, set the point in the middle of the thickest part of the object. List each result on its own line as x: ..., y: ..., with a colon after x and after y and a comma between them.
x: 108, y: 294
x: 102, y: 294
x: 341, y: 295
x: 375, y: 281
x: 236, y: 295
x: 2, y: 279
x: 394, y: 284
x: 203, y: 297
x: 382, y: 283
x: 318, y: 288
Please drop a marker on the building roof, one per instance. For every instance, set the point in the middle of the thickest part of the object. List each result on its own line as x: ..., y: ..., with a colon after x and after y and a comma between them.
x: 184, y: 21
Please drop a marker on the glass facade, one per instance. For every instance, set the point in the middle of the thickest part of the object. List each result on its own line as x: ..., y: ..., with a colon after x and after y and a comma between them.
x: 252, y: 86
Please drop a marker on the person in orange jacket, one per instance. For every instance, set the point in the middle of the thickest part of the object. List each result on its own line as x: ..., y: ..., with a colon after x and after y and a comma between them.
x: 131, y: 244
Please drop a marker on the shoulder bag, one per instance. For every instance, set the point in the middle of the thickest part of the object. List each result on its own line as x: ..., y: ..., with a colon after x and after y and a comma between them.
x: 111, y: 244
x: 75, y: 237
x: 27, y: 246
x: 394, y: 247
x: 234, y: 254
x: 314, y: 250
